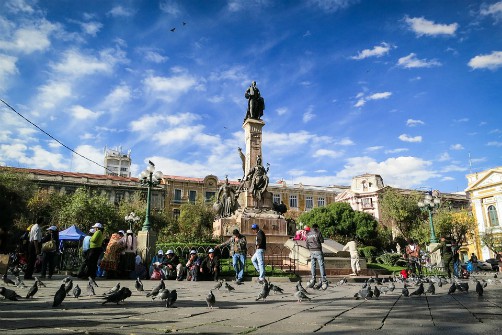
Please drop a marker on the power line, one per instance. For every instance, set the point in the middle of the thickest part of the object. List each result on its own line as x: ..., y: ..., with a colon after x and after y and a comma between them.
x: 55, y: 139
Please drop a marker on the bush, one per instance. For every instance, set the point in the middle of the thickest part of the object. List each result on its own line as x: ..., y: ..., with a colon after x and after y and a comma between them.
x: 388, y: 258
x: 369, y: 253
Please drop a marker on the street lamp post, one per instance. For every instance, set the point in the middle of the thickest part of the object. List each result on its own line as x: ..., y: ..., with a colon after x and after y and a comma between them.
x: 431, y: 201
x: 131, y: 218
x: 150, y: 178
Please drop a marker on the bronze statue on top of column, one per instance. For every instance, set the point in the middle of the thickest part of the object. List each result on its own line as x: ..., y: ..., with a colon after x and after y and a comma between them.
x: 256, y: 103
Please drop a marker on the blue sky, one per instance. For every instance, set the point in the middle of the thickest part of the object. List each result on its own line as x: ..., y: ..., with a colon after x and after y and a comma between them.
x: 405, y: 89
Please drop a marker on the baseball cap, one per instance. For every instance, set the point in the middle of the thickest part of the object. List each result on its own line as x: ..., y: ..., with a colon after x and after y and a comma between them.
x: 210, y: 251
x: 192, y: 252
x: 129, y: 231
x: 170, y: 252
x: 254, y: 226
x: 52, y: 228
x: 121, y: 232
x: 97, y: 225
x: 307, y: 228
x: 160, y: 252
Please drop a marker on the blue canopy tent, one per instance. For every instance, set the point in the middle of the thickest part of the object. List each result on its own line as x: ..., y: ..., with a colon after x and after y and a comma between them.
x: 69, y: 244
x: 72, y: 234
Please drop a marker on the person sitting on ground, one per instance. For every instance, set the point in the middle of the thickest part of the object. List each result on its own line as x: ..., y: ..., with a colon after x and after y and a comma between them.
x: 172, y: 266
x: 210, y: 267
x: 193, y: 266
x: 156, y: 264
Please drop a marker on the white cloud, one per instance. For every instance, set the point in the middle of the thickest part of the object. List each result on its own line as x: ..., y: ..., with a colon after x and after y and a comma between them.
x: 169, y: 88
x: 91, y: 28
x: 29, y: 39
x: 150, y: 122
x: 414, y: 123
x: 491, y: 61
x: 179, y: 134
x: 453, y: 168
x: 80, y: 164
x: 444, y: 157
x: 117, y: 98
x: 82, y: 113
x: 216, y: 99
x: 78, y: 64
x: 406, y: 138
x: 54, y: 144
x: 280, y: 140
x: 411, y: 61
x: 296, y: 173
x: 16, y: 6
x: 375, y: 96
x: 456, y: 147
x: 421, y: 27
x: 7, y: 67
x: 465, y: 119
x: 377, y: 51
x: 331, y: 6
x: 170, y: 7
x: 32, y: 157
x: 309, y: 115
x: 395, y: 151
x: 52, y: 93
x: 344, y: 141
x: 282, y: 110
x: 494, y: 144
x: 155, y: 57
x: 119, y: 11
x: 374, y: 148
x: 494, y: 10
x: 447, y: 179
x: 327, y: 153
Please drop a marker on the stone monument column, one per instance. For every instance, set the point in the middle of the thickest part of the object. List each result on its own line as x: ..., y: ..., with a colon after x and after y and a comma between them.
x: 253, y: 136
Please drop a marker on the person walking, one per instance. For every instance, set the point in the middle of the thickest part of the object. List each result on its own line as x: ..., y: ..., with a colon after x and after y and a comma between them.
x: 446, y: 249
x: 50, y: 249
x: 351, y: 246
x: 258, y: 258
x: 34, y: 247
x: 238, y: 249
x: 413, y: 256
x: 95, y: 250
x: 314, y: 244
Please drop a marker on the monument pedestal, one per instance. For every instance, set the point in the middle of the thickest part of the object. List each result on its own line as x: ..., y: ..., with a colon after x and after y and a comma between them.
x: 146, y: 245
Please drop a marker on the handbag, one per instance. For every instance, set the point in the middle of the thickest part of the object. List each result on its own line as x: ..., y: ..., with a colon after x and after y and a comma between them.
x: 49, y: 246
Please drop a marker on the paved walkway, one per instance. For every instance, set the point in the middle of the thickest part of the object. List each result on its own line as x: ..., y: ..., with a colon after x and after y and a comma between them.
x: 334, y: 311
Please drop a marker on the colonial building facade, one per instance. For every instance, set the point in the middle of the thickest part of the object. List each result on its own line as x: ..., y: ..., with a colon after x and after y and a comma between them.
x: 485, y: 191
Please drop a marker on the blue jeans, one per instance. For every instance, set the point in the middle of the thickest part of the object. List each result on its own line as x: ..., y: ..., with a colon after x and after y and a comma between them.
x: 319, y: 257
x: 238, y: 262
x: 258, y: 260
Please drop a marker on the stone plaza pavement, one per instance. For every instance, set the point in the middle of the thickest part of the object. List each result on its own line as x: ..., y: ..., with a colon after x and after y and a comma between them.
x: 334, y: 311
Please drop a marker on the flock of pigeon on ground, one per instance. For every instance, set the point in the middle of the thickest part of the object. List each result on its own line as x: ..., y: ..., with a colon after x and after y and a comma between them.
x: 372, y: 288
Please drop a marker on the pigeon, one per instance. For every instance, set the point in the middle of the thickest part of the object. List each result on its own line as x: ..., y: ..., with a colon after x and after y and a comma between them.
x: 113, y: 290
x: 218, y: 285
x: 15, y: 270
x: 171, y: 299
x: 276, y: 288
x: 68, y: 286
x: 300, y: 296
x: 452, y: 288
x: 138, y: 285
x: 19, y: 282
x: 9, y: 294
x: 32, y: 291
x: 173, y: 29
x: 229, y: 287
x: 376, y: 292
x: 162, y: 295
x: 118, y: 296
x: 76, y: 291
x: 264, y: 291
x: 317, y: 286
x: 156, y: 289
x: 93, y: 282
x: 39, y: 282
x: 210, y: 299
x: 419, y: 291
x: 431, y: 289
x: 405, y: 291
x: 479, y: 288
x: 300, y: 288
x: 59, y: 296
x: 365, y: 293
x: 342, y: 281
x: 392, y: 287
x: 365, y: 284
x: 8, y: 281
x: 463, y: 287
x: 90, y: 289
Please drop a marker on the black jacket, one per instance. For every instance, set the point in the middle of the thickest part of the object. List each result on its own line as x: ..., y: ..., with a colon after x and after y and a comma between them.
x: 314, y: 240
x: 261, y: 240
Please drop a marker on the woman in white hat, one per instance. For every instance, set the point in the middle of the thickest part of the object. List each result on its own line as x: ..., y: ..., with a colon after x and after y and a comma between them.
x: 95, y: 250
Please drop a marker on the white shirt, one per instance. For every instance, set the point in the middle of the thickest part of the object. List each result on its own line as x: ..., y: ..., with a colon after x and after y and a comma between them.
x: 351, y: 246
x: 35, y: 233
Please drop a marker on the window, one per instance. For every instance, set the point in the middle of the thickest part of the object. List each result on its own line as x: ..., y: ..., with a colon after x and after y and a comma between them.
x: 320, y: 202
x: 492, y: 216
x: 123, y: 169
x: 293, y: 201
x: 177, y: 195
x: 210, y: 195
x: 192, y: 195
x: 119, y: 196
x: 309, y: 202
x: 367, y: 202
x: 176, y: 213
x: 276, y: 198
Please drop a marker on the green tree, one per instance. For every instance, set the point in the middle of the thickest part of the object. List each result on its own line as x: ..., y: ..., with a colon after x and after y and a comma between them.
x: 400, y: 210
x: 195, y: 223
x: 340, y: 222
x: 15, y: 191
x: 460, y: 224
x: 46, y: 204
x: 492, y: 241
